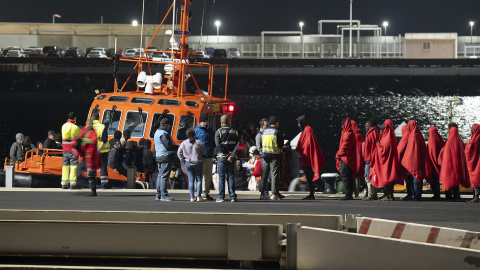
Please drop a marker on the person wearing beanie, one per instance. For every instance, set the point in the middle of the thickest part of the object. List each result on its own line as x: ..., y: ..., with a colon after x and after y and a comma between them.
x: 226, y: 142
x: 70, y: 132
x: 165, y: 150
x: 205, y: 134
x: 271, y: 145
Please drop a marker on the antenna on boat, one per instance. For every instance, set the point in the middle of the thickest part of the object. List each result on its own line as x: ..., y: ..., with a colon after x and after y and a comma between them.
x: 173, y: 40
x: 141, y: 31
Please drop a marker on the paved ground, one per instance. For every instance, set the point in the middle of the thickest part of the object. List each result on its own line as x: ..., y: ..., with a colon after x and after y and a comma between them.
x: 456, y: 215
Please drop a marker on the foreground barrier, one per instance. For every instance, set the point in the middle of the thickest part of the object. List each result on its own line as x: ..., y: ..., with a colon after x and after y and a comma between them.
x: 141, y: 239
x: 418, y: 232
x: 326, y: 249
x: 333, y: 222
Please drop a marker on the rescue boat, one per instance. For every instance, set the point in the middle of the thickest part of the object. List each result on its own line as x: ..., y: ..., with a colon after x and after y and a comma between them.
x: 160, y: 92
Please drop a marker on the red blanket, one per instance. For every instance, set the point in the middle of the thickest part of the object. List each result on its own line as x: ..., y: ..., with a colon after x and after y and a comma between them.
x: 310, y: 153
x: 434, y: 146
x: 358, y: 144
x: 371, y: 140
x: 452, y: 160
x: 384, y: 166
x: 402, y: 144
x: 89, y: 151
x: 414, y: 156
x: 472, y: 153
x: 347, y: 150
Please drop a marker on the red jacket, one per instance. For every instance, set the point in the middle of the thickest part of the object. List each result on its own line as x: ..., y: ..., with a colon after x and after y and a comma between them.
x: 310, y: 153
x: 384, y: 166
x: 88, y: 149
x: 257, y: 169
x: 347, y: 150
x: 413, y: 156
x: 371, y: 140
x: 452, y: 160
x: 472, y: 153
x: 358, y: 145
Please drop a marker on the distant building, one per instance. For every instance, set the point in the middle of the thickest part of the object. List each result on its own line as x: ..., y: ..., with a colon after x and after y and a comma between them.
x: 430, y: 45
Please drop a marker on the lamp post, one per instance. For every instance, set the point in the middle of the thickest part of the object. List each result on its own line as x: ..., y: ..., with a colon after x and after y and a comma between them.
x: 301, y: 26
x: 218, y: 23
x: 55, y: 16
x: 134, y: 23
x: 385, y: 25
x: 301, y: 36
x: 471, y: 31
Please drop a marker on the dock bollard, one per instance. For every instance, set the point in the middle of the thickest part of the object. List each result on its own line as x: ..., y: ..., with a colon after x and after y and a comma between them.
x: 9, y: 177
x: 131, y: 177
x: 330, y: 179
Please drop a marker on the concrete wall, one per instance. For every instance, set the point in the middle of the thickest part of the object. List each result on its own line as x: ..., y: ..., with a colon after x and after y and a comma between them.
x: 326, y: 249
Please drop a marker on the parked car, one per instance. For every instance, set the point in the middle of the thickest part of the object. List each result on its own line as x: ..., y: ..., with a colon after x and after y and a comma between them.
x: 38, y: 52
x: 88, y: 50
x: 220, y: 53
x: 46, y: 49
x: 233, y: 53
x: 27, y: 50
x: 209, y: 50
x: 141, y: 53
x: 130, y: 52
x: 15, y: 53
x: 5, y: 51
x: 58, y: 53
x: 96, y: 54
x: 196, y: 57
x: 75, y: 53
x: 111, y: 51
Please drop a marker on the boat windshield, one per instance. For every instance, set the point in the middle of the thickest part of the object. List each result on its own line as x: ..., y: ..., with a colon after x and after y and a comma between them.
x: 115, y: 120
x: 186, y: 122
x: 134, y: 124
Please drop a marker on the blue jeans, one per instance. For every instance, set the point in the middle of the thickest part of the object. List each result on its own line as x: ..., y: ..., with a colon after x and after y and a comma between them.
x: 164, y: 169
x: 367, y: 173
x: 417, y: 188
x: 225, y: 166
x: 194, y: 172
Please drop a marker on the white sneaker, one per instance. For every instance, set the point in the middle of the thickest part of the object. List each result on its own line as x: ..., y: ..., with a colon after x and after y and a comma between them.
x: 274, y: 198
x: 192, y: 199
x: 200, y: 199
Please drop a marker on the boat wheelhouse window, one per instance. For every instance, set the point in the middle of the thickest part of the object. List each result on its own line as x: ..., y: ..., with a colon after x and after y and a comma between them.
x: 140, y: 100
x: 217, y: 121
x: 186, y: 122
x: 117, y: 98
x: 114, y: 122
x: 210, y: 122
x: 94, y: 110
x: 169, y: 102
x: 157, y: 116
x: 101, y: 97
x: 135, y: 124
x: 191, y: 104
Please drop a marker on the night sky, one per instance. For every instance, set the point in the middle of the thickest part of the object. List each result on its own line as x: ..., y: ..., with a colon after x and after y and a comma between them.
x: 250, y: 17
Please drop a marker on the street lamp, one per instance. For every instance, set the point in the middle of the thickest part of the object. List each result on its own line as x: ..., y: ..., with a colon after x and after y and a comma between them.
x: 134, y: 23
x: 55, y: 16
x: 301, y: 26
x: 471, y: 31
x: 218, y: 23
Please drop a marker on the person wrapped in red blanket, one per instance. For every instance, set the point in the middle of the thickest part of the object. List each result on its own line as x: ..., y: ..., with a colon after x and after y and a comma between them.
x: 472, y: 153
x: 453, y: 172
x: 360, y: 164
x: 434, y: 146
x: 347, y: 158
x: 310, y: 155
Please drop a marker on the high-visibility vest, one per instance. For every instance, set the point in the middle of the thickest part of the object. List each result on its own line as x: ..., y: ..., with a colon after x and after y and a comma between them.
x: 269, y: 141
x: 69, y: 132
x: 160, y: 149
x: 228, y: 141
x: 99, y: 127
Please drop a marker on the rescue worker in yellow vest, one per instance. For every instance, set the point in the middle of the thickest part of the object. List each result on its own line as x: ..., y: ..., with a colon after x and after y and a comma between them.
x: 272, y: 144
x: 226, y: 141
x: 70, y: 155
x: 103, y: 147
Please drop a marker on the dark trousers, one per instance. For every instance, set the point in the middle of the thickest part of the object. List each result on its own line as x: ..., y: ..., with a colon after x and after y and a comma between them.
x: 435, y: 184
x: 270, y: 164
x: 225, y: 169
x: 91, y: 174
x: 346, y: 175
x: 309, y: 175
x: 453, y: 193
x: 104, y: 169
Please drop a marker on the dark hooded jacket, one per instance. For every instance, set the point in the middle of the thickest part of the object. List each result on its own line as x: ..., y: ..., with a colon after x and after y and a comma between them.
x: 16, y: 151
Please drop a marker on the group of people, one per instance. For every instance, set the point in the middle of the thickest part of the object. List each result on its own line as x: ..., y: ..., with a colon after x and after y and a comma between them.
x: 377, y: 158
x: 384, y: 163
